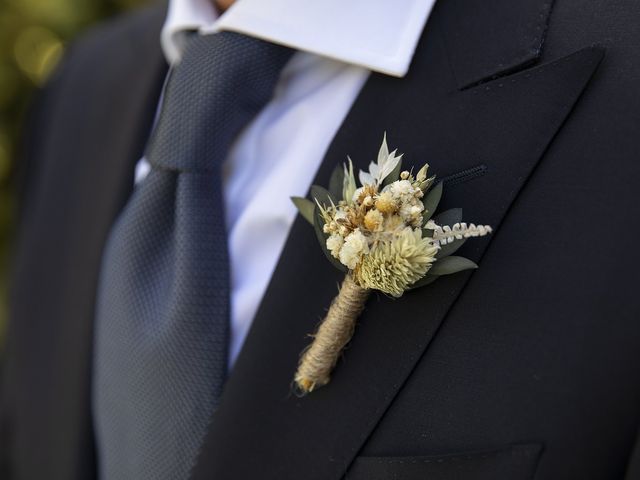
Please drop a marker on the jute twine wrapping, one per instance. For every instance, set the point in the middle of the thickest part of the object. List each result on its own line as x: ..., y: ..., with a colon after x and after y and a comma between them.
x: 335, y: 331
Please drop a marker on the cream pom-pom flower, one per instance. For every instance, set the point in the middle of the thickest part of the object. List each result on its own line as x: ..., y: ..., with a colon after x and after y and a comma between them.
x: 393, y: 266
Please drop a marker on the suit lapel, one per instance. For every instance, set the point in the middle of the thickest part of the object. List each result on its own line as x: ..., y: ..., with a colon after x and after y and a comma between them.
x: 448, y: 112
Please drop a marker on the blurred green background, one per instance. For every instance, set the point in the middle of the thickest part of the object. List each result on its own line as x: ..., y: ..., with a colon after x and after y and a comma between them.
x: 33, y: 36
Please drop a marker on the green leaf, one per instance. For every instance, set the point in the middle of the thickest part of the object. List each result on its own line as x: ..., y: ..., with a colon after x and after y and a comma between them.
x: 318, y: 223
x: 349, y: 184
x: 306, y: 208
x: 450, y: 248
x: 431, y: 201
x: 452, y: 264
x: 394, y: 175
x: 336, y: 183
x: 449, y: 217
x: 322, y: 195
x: 424, y: 281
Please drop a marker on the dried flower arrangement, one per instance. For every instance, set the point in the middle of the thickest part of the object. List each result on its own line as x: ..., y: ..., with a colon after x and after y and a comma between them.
x: 383, y: 236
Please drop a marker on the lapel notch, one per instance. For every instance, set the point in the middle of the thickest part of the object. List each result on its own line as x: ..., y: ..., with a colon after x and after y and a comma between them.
x: 487, y: 39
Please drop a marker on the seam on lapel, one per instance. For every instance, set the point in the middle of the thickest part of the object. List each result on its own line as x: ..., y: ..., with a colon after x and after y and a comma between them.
x: 526, y: 74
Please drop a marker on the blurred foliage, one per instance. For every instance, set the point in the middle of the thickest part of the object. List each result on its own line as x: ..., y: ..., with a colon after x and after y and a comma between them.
x: 33, y: 35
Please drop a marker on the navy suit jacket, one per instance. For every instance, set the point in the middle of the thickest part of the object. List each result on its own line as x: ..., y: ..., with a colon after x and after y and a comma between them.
x: 529, y: 366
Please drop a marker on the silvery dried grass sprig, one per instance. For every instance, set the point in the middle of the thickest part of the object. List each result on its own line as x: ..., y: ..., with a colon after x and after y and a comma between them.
x: 383, y: 236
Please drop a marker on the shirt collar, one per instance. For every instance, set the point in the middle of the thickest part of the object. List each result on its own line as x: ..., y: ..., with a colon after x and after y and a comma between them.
x: 378, y: 35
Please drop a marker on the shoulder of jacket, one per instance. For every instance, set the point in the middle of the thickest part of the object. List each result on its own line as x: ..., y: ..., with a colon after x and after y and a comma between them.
x: 117, y: 44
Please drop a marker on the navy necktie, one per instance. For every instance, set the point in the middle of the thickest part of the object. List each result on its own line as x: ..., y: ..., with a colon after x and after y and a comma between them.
x: 162, y: 318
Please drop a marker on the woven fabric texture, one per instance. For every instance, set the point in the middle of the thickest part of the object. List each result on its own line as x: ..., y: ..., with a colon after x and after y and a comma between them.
x: 162, y: 319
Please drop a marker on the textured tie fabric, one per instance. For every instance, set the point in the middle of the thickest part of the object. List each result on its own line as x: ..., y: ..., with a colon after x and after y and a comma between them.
x: 162, y: 318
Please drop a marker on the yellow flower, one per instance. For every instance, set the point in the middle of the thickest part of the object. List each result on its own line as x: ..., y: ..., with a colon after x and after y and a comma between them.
x: 393, y: 266
x: 373, y: 220
x: 386, y: 203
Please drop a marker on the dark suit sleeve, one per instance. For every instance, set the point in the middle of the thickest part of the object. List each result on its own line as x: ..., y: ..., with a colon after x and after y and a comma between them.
x: 24, y: 181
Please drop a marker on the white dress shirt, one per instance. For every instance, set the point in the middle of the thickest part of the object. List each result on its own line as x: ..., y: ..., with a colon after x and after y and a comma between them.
x: 276, y: 156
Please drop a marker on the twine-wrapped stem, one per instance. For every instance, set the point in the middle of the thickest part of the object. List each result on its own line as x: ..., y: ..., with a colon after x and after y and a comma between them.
x: 335, y: 331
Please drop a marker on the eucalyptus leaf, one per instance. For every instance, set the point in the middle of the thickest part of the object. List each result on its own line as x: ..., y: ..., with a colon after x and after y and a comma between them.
x: 380, y: 170
x: 452, y: 264
x: 450, y: 248
x: 322, y: 195
x: 431, y: 202
x: 394, y: 175
x: 336, y: 182
x: 449, y: 217
x: 306, y: 208
x: 318, y: 223
x: 424, y: 281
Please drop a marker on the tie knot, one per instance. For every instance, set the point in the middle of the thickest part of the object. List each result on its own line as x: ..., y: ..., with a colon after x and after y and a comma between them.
x: 221, y: 83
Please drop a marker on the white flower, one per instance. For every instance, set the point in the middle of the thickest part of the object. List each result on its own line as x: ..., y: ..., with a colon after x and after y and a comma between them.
x: 355, y: 245
x: 411, y: 212
x: 405, y: 212
x: 334, y: 244
x: 401, y: 190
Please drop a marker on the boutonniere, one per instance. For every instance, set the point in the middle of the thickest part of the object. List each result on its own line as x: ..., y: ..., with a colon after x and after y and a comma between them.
x: 383, y: 236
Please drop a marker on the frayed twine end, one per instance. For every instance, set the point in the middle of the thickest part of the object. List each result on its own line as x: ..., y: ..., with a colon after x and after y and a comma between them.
x: 318, y: 360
